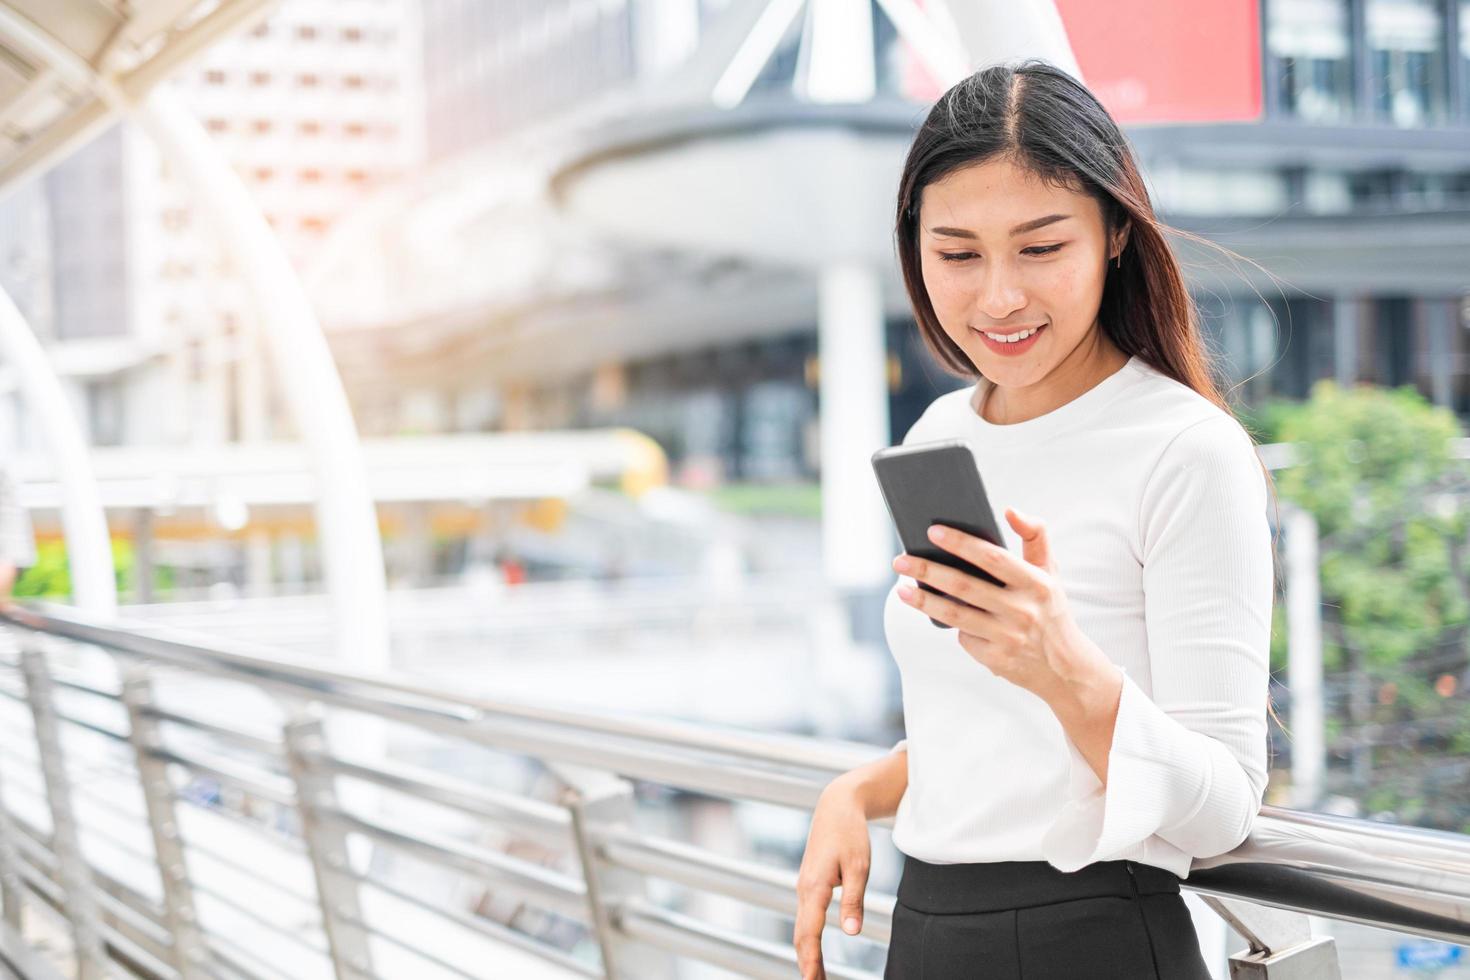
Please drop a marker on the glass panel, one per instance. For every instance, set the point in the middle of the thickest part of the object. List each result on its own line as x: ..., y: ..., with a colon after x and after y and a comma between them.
x: 1309, y: 48
x: 1406, y: 41
x: 1464, y: 54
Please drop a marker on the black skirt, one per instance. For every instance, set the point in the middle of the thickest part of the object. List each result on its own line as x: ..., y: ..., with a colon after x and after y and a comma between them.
x: 1025, y: 920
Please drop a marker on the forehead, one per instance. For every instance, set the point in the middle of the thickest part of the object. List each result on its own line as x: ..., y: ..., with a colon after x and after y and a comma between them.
x: 993, y: 196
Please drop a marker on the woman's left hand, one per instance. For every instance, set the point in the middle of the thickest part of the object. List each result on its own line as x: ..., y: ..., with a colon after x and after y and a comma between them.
x: 1024, y: 631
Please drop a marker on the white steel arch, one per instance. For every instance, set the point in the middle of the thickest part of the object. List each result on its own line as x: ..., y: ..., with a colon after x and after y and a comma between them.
x: 88, y: 548
x: 351, y: 546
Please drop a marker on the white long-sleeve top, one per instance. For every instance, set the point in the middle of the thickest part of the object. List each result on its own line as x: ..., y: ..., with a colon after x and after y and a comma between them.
x: 1155, y: 507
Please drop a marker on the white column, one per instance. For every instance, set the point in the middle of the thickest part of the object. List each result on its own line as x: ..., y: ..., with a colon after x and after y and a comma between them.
x: 835, y: 62
x: 1438, y: 316
x: 89, y: 552
x: 1345, y: 333
x: 1304, y: 651
x: 857, y: 535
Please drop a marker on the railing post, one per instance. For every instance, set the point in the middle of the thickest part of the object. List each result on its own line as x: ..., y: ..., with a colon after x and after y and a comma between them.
x: 327, y: 847
x: 190, y: 952
x: 1281, y: 943
x: 76, y: 876
x: 11, y: 888
x: 596, y: 799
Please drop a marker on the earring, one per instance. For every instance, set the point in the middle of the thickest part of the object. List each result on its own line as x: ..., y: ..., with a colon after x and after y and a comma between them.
x: 1118, y: 260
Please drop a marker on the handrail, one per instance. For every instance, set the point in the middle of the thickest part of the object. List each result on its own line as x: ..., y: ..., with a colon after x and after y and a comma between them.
x: 1395, y: 877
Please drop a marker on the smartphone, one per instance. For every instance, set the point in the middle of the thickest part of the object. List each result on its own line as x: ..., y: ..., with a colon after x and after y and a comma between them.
x: 936, y: 482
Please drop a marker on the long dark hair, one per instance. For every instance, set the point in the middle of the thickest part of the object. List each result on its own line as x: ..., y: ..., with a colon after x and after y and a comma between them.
x: 1048, y: 123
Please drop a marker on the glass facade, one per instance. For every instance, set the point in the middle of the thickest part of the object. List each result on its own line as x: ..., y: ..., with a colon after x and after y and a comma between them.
x: 1405, y: 41
x: 1309, y: 43
x: 1374, y: 61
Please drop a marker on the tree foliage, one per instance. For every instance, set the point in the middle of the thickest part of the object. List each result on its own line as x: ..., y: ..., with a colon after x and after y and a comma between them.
x: 1381, y: 472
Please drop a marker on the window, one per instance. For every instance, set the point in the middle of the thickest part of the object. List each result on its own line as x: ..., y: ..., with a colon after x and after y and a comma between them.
x: 352, y: 34
x: 1407, y: 61
x: 259, y: 78
x: 262, y: 126
x: 309, y: 127
x: 308, y: 80
x: 217, y: 125
x: 1464, y: 48
x: 352, y: 81
x: 306, y: 32
x: 1310, y: 53
x: 214, y: 77
x: 311, y: 175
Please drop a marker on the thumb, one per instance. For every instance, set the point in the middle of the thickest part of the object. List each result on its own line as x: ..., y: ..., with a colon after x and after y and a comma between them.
x: 854, y: 882
x: 1035, y: 547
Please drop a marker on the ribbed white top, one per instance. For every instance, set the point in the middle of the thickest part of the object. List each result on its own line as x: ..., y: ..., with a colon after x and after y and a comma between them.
x: 1155, y: 506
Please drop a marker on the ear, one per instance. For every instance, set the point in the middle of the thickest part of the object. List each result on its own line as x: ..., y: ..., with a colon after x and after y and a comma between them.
x: 1120, y: 238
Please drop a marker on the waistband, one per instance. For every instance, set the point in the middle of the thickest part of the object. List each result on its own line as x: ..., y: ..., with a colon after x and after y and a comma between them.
x: 997, y: 885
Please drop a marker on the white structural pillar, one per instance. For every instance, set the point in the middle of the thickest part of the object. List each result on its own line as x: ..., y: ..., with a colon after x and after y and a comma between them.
x: 835, y: 65
x: 88, y: 549
x: 1304, y: 657
x: 857, y: 534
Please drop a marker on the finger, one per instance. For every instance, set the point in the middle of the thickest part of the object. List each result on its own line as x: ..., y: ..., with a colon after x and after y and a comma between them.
x: 811, y: 914
x: 854, y: 883
x: 983, y: 554
x: 1035, y: 545
x: 962, y: 585
x: 948, y: 611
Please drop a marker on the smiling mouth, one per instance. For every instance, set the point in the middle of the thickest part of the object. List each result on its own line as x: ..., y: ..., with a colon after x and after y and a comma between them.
x: 997, y: 335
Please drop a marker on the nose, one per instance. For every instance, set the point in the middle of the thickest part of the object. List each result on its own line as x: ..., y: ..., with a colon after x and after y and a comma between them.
x: 1000, y: 294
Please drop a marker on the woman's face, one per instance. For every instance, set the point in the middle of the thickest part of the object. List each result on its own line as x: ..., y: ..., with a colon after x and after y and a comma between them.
x: 1003, y: 252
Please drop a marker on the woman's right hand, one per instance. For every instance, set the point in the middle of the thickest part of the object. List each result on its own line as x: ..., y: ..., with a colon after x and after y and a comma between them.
x: 837, y: 852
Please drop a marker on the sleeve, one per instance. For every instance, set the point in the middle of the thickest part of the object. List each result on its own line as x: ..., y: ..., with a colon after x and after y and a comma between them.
x: 1188, y: 764
x: 902, y: 745
x: 17, y: 542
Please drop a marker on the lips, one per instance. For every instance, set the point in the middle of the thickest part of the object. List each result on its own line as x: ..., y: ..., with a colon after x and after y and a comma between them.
x: 1001, y: 347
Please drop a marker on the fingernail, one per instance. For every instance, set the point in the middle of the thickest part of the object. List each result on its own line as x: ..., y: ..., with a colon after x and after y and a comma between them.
x: 850, y: 925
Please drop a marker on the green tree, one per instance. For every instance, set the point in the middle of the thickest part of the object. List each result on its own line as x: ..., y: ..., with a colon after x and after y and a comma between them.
x: 1379, y: 469
x: 50, y: 577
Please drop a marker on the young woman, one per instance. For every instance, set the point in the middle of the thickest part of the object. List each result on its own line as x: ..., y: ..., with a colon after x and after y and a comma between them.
x: 1082, y: 733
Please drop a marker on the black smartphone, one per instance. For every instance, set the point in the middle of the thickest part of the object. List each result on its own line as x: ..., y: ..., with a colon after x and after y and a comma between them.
x: 937, y: 482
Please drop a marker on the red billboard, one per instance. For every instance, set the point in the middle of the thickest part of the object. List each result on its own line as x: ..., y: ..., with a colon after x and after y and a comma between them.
x: 1154, y: 61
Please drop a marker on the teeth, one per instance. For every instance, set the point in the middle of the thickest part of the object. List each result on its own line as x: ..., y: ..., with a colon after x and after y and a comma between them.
x: 1011, y: 338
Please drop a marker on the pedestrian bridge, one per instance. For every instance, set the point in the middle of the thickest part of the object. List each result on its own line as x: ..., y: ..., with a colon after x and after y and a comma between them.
x: 176, y: 807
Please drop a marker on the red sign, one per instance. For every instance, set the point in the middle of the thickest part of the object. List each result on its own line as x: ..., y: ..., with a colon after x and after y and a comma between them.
x: 1155, y: 61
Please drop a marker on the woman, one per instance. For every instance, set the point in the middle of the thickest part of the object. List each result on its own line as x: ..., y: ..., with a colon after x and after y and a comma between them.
x: 1085, y: 731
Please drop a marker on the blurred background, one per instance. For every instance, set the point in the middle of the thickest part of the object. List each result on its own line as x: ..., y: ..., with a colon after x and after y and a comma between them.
x: 580, y: 319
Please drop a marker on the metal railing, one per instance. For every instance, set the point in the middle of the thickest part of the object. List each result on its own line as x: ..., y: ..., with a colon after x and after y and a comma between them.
x: 199, y: 809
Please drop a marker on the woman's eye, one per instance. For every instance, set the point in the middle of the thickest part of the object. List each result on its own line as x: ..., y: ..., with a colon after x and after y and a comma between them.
x: 1033, y: 250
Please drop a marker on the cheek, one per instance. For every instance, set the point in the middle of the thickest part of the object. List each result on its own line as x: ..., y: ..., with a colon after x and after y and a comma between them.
x: 1070, y: 284
x: 948, y: 291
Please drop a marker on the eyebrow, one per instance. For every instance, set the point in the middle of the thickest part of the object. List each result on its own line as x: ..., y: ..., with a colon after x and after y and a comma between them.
x: 1020, y: 229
